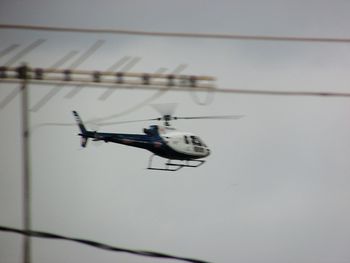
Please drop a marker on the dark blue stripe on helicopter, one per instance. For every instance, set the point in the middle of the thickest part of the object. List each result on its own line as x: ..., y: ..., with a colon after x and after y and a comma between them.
x: 153, y: 144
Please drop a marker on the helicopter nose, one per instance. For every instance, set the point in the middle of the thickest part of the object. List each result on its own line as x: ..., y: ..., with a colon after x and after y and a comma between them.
x: 208, y: 151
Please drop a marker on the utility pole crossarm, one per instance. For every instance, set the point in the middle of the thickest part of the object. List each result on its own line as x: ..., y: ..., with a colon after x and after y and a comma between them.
x: 110, y: 77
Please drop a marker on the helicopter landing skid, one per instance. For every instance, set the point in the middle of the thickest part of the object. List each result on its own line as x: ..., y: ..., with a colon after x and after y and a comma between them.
x: 173, y: 167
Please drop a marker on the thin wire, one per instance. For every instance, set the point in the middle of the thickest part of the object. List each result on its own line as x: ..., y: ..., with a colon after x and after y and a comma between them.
x: 8, y: 50
x: 180, y: 34
x: 24, y: 52
x: 284, y: 93
x: 99, y: 245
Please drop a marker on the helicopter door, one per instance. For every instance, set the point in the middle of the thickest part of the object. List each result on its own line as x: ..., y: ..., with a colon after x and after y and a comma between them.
x: 188, y: 145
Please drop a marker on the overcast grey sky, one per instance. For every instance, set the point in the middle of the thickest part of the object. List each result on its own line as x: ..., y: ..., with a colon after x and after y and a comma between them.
x: 276, y: 186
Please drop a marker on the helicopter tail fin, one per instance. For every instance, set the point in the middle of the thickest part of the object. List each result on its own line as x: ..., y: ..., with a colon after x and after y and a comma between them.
x: 84, y: 132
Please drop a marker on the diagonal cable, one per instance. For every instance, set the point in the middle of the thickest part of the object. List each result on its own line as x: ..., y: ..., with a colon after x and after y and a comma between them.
x: 146, y: 101
x: 97, y: 121
x: 115, y: 66
x: 8, y: 50
x: 74, y: 65
x: 24, y: 52
x: 99, y: 245
x: 143, y: 103
x: 58, y: 64
x: 135, y: 107
x: 126, y: 68
x: 12, y: 61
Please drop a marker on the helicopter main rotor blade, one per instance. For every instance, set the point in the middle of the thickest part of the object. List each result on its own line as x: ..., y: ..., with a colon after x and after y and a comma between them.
x: 123, y: 122
x: 220, y: 117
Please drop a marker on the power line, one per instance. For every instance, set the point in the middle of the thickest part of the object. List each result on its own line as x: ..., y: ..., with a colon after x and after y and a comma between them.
x: 181, y: 34
x: 98, y: 245
x: 284, y: 93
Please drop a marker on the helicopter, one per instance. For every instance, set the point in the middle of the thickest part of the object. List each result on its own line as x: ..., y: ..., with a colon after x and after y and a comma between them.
x: 181, y: 149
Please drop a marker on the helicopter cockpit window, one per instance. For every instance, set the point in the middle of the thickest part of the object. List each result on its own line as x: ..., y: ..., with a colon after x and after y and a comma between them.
x: 186, y: 139
x: 202, y: 143
x: 152, y: 131
x: 196, y: 141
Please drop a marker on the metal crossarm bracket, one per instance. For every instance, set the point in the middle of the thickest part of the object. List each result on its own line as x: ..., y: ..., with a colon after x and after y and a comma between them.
x: 55, y: 75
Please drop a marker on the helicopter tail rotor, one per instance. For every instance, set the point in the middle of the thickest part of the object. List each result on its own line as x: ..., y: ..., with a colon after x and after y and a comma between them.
x: 84, y: 141
x: 84, y: 132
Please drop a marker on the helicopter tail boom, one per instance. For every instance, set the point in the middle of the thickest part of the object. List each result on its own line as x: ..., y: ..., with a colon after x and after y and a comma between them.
x: 84, y: 132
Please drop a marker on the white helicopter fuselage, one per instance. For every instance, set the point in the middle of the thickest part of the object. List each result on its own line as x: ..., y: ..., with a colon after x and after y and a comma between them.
x: 184, y: 142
